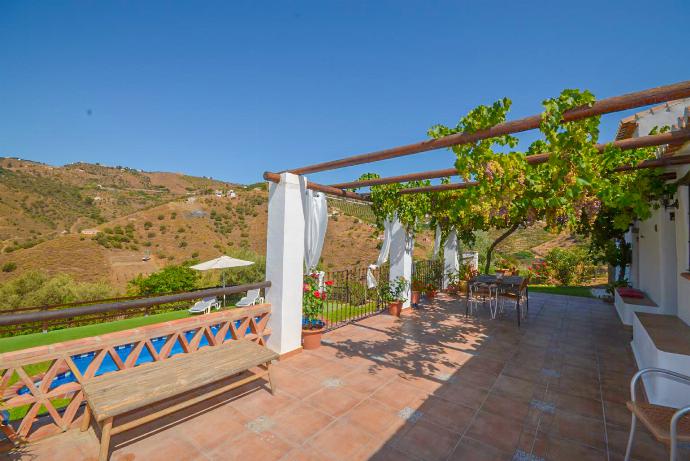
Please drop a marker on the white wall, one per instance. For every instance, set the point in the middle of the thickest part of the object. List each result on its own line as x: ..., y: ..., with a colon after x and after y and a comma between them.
x: 683, y: 250
x: 649, y: 261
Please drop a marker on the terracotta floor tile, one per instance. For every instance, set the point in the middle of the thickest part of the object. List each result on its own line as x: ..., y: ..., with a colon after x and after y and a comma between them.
x: 586, y: 431
x: 448, y: 415
x: 300, y: 422
x: 518, y: 388
x: 334, y: 401
x: 426, y: 441
x: 474, y: 378
x: 262, y: 403
x: 364, y: 383
x: 374, y: 417
x: 557, y: 449
x: 577, y: 405
x: 340, y: 440
x: 471, y: 397
x: 505, y: 405
x: 498, y: 431
x: 265, y: 446
x: 472, y: 450
x: 645, y: 446
x: 296, y: 383
x: 398, y: 393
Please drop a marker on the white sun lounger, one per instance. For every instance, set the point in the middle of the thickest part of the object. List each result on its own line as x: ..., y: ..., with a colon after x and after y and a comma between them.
x: 204, y: 306
x: 251, y: 299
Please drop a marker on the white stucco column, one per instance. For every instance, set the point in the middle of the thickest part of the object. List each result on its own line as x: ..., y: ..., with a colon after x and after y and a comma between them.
x: 402, y: 245
x: 450, y: 256
x: 284, y: 262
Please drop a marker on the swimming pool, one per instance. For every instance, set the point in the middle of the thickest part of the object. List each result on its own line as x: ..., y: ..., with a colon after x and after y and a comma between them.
x: 82, y: 361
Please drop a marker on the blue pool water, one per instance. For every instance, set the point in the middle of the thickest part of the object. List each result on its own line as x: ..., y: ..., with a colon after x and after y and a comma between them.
x: 82, y: 361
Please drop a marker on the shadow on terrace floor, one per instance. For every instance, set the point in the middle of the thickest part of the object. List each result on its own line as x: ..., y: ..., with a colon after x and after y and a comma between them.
x: 431, y: 385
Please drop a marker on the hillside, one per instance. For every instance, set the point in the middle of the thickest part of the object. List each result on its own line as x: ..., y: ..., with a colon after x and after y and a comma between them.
x: 113, y: 223
x: 101, y: 223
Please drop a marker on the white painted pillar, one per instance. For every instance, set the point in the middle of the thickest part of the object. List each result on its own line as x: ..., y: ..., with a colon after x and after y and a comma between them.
x: 402, y: 245
x: 450, y: 256
x: 284, y: 262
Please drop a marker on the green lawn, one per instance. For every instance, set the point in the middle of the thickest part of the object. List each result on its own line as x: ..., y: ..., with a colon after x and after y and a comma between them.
x: 55, y: 336
x: 583, y: 292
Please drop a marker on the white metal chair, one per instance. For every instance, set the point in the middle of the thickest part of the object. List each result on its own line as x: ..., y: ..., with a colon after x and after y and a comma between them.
x: 480, y: 292
x: 668, y: 425
x: 204, y: 306
x: 251, y: 299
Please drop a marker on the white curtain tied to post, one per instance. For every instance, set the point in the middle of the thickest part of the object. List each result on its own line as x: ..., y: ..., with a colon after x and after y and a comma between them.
x: 383, y: 253
x: 437, y: 242
x: 315, y: 224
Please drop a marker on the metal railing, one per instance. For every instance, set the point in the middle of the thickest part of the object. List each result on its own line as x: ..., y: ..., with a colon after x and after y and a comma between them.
x: 350, y: 298
x: 428, y: 271
x: 25, y: 320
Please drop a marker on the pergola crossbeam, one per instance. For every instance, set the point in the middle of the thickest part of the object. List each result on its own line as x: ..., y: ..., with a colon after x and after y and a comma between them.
x: 656, y: 163
x: 624, y: 144
x: 604, y: 106
x: 330, y: 190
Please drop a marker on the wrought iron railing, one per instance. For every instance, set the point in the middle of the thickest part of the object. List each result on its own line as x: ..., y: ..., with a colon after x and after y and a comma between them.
x: 350, y: 298
x: 428, y: 271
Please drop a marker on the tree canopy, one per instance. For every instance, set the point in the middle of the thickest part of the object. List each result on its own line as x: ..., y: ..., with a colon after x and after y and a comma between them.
x: 568, y: 191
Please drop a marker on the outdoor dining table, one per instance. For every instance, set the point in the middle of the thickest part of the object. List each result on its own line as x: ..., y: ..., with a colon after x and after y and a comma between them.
x: 506, y: 284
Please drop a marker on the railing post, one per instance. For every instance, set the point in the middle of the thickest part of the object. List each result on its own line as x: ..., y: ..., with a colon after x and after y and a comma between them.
x: 402, y: 245
x: 285, y: 261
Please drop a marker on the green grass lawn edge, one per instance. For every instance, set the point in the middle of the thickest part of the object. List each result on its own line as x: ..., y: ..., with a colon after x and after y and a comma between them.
x: 581, y: 291
x: 14, y: 343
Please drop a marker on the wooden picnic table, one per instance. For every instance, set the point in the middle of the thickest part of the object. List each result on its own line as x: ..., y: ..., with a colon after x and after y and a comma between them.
x: 508, y: 285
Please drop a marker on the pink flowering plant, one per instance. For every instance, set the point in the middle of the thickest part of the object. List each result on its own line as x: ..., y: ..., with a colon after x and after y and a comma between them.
x: 539, y: 272
x: 313, y: 299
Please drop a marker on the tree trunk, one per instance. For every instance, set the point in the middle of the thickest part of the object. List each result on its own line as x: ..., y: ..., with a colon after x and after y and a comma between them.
x: 493, y: 246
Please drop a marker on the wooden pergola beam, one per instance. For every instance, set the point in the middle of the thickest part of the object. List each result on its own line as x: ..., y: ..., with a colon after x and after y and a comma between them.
x: 625, y: 144
x: 656, y: 163
x: 330, y: 190
x: 605, y: 106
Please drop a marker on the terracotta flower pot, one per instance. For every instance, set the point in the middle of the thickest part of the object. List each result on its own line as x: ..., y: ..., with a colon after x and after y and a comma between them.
x: 394, y: 308
x: 431, y: 294
x: 414, y: 299
x: 311, y: 339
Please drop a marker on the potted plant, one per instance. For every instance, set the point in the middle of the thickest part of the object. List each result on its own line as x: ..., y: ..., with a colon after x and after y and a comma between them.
x: 453, y: 280
x: 430, y: 290
x: 313, y: 297
x: 417, y: 288
x: 394, y: 294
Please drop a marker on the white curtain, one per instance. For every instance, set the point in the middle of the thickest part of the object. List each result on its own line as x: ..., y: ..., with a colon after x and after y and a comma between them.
x: 315, y: 224
x: 450, y: 256
x: 383, y: 253
x: 437, y: 242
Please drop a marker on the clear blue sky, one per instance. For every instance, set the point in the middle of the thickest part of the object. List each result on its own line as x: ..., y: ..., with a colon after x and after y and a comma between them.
x: 230, y: 89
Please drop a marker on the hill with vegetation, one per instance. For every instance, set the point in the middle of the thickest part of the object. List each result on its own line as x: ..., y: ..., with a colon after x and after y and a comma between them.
x: 110, y: 224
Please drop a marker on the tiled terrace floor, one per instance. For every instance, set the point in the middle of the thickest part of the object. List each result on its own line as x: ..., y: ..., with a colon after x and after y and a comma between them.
x: 429, y: 386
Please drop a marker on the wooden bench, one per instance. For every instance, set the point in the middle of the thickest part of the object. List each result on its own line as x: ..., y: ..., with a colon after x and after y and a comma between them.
x: 115, y: 394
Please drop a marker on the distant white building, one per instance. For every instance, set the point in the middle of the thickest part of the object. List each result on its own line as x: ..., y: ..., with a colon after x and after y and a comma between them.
x: 89, y: 231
